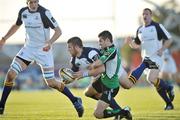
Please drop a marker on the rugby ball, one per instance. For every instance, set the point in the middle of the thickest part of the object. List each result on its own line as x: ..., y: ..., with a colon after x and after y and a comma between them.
x: 67, y: 75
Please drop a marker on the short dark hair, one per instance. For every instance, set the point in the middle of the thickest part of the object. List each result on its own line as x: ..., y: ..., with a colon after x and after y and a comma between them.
x: 28, y: 1
x: 106, y: 34
x: 148, y: 9
x: 76, y: 41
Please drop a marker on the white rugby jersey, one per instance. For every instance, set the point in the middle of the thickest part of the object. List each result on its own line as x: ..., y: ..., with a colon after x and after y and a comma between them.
x: 150, y: 37
x: 89, y: 55
x: 37, y: 25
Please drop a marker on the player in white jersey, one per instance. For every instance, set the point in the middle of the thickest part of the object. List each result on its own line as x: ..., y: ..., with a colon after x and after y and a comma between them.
x: 38, y: 47
x: 168, y: 69
x: 150, y: 36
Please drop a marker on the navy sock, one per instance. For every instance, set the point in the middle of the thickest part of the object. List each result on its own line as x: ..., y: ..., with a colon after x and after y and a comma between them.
x: 114, y: 105
x: 69, y: 94
x: 161, y: 89
x: 5, y: 94
x: 135, y: 75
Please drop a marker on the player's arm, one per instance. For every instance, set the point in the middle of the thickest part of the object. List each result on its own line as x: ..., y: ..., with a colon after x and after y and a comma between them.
x: 165, y: 36
x: 10, y: 32
x: 132, y: 42
x: 97, y: 71
x: 54, y: 25
x: 57, y: 31
x: 91, y: 72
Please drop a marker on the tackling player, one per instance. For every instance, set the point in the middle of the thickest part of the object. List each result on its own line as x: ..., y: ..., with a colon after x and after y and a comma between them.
x: 108, y: 82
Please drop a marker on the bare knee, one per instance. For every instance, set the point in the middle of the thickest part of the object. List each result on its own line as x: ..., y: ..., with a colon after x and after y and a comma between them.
x: 126, y: 83
x: 98, y: 114
x: 87, y: 94
x: 11, y: 75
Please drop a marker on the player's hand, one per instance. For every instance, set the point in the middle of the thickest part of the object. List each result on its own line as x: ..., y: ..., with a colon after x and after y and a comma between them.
x: 2, y: 42
x: 127, y: 40
x: 160, y: 52
x: 78, y: 75
x: 47, y: 46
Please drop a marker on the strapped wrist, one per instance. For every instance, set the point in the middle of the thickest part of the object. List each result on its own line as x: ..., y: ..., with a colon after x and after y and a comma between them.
x: 85, y: 74
x: 3, y: 38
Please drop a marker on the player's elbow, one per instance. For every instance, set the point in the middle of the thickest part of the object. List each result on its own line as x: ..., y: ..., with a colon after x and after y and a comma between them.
x: 58, y: 31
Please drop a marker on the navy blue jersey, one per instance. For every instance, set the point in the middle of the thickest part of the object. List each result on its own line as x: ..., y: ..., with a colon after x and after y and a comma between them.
x: 89, y: 55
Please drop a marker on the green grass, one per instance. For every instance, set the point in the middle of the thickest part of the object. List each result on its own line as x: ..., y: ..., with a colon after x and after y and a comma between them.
x: 51, y: 105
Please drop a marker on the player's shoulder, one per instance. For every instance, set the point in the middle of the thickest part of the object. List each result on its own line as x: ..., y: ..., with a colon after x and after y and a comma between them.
x: 23, y: 9
x: 87, y: 50
x: 42, y: 9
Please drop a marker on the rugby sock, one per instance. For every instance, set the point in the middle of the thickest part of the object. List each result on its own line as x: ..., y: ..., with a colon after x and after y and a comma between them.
x: 161, y: 88
x: 5, y: 94
x: 69, y: 94
x: 110, y: 113
x: 114, y: 105
x: 135, y: 75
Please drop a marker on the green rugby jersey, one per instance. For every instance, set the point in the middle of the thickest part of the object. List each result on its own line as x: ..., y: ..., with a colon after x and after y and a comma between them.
x: 110, y: 57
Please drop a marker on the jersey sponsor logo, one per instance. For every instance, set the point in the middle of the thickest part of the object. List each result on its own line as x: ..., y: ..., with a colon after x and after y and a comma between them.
x: 36, y: 18
x: 53, y: 20
x: 107, y: 53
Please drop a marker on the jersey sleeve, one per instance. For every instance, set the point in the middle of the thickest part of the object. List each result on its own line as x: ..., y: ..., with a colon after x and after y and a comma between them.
x: 93, y: 55
x: 136, y: 39
x: 163, y: 33
x: 108, y: 55
x: 50, y: 19
x: 19, y: 20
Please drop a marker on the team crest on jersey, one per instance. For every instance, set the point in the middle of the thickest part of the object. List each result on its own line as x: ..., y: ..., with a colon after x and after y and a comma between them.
x: 24, y: 15
x: 140, y: 31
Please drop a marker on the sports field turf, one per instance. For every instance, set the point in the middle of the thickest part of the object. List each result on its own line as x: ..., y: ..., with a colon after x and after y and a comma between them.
x: 51, y: 105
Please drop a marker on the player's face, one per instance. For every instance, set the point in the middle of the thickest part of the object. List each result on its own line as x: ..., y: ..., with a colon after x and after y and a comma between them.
x: 147, y: 17
x: 33, y: 5
x: 72, y: 50
x: 102, y: 43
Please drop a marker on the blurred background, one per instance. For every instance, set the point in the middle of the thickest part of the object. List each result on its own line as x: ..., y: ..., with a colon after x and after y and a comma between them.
x: 86, y: 18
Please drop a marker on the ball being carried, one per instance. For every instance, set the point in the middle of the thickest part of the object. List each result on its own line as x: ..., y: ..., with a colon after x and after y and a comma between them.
x: 67, y: 75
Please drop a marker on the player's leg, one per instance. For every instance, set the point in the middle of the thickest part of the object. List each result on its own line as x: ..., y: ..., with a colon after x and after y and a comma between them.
x: 161, y: 87
x: 47, y: 66
x: 178, y: 79
x: 147, y: 63
x: 101, y: 110
x: 48, y: 74
x: 17, y: 65
x: 123, y: 79
x: 94, y: 91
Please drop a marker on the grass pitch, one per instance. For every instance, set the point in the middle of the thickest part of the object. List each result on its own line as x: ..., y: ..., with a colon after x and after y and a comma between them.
x: 51, y: 105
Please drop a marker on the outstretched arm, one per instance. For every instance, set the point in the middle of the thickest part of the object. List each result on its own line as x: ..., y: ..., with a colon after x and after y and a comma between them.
x: 10, y: 32
x: 131, y: 43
